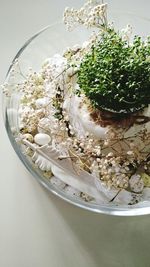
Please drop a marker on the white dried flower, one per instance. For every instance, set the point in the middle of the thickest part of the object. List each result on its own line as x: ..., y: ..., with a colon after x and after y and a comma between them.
x: 92, y: 14
x: 126, y: 33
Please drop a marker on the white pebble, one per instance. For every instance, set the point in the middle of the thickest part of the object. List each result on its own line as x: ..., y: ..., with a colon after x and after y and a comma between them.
x: 42, y: 139
x: 136, y: 183
x: 42, y: 102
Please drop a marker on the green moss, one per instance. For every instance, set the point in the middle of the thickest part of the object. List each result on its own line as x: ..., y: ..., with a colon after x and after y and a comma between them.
x: 115, y: 75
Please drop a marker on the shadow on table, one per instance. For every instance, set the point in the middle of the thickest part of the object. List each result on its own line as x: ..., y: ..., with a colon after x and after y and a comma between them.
x: 110, y: 241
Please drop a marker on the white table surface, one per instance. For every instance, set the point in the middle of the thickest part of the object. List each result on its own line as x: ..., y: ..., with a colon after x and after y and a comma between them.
x: 37, y: 229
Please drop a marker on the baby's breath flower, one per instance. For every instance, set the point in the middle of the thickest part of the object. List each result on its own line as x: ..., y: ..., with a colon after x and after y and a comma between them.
x: 92, y: 14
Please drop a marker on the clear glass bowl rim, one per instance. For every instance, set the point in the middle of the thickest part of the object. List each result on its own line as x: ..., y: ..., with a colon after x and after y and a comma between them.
x: 142, y: 209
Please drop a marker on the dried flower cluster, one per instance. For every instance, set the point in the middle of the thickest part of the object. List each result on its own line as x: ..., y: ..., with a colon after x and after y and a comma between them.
x: 92, y: 14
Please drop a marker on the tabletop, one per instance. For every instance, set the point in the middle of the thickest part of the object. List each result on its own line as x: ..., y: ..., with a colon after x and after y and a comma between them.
x: 37, y: 229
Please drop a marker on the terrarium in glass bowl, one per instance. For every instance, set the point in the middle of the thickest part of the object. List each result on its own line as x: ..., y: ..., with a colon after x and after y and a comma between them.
x: 76, y: 109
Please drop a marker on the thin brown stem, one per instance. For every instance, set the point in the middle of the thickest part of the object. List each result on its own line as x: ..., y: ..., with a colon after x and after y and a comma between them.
x: 115, y: 196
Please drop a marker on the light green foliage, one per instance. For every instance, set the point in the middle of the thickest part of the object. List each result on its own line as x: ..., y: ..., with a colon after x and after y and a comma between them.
x: 115, y: 75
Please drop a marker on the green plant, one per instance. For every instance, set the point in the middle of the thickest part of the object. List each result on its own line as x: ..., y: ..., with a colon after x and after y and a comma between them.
x: 115, y: 75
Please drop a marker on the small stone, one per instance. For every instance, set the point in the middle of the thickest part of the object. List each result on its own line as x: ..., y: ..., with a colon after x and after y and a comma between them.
x: 136, y: 198
x: 28, y: 137
x: 136, y: 183
x: 130, y: 153
x: 42, y: 102
x: 110, y: 155
x: 42, y: 139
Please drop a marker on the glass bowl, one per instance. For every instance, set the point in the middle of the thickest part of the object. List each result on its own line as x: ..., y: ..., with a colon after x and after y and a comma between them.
x: 53, y: 40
